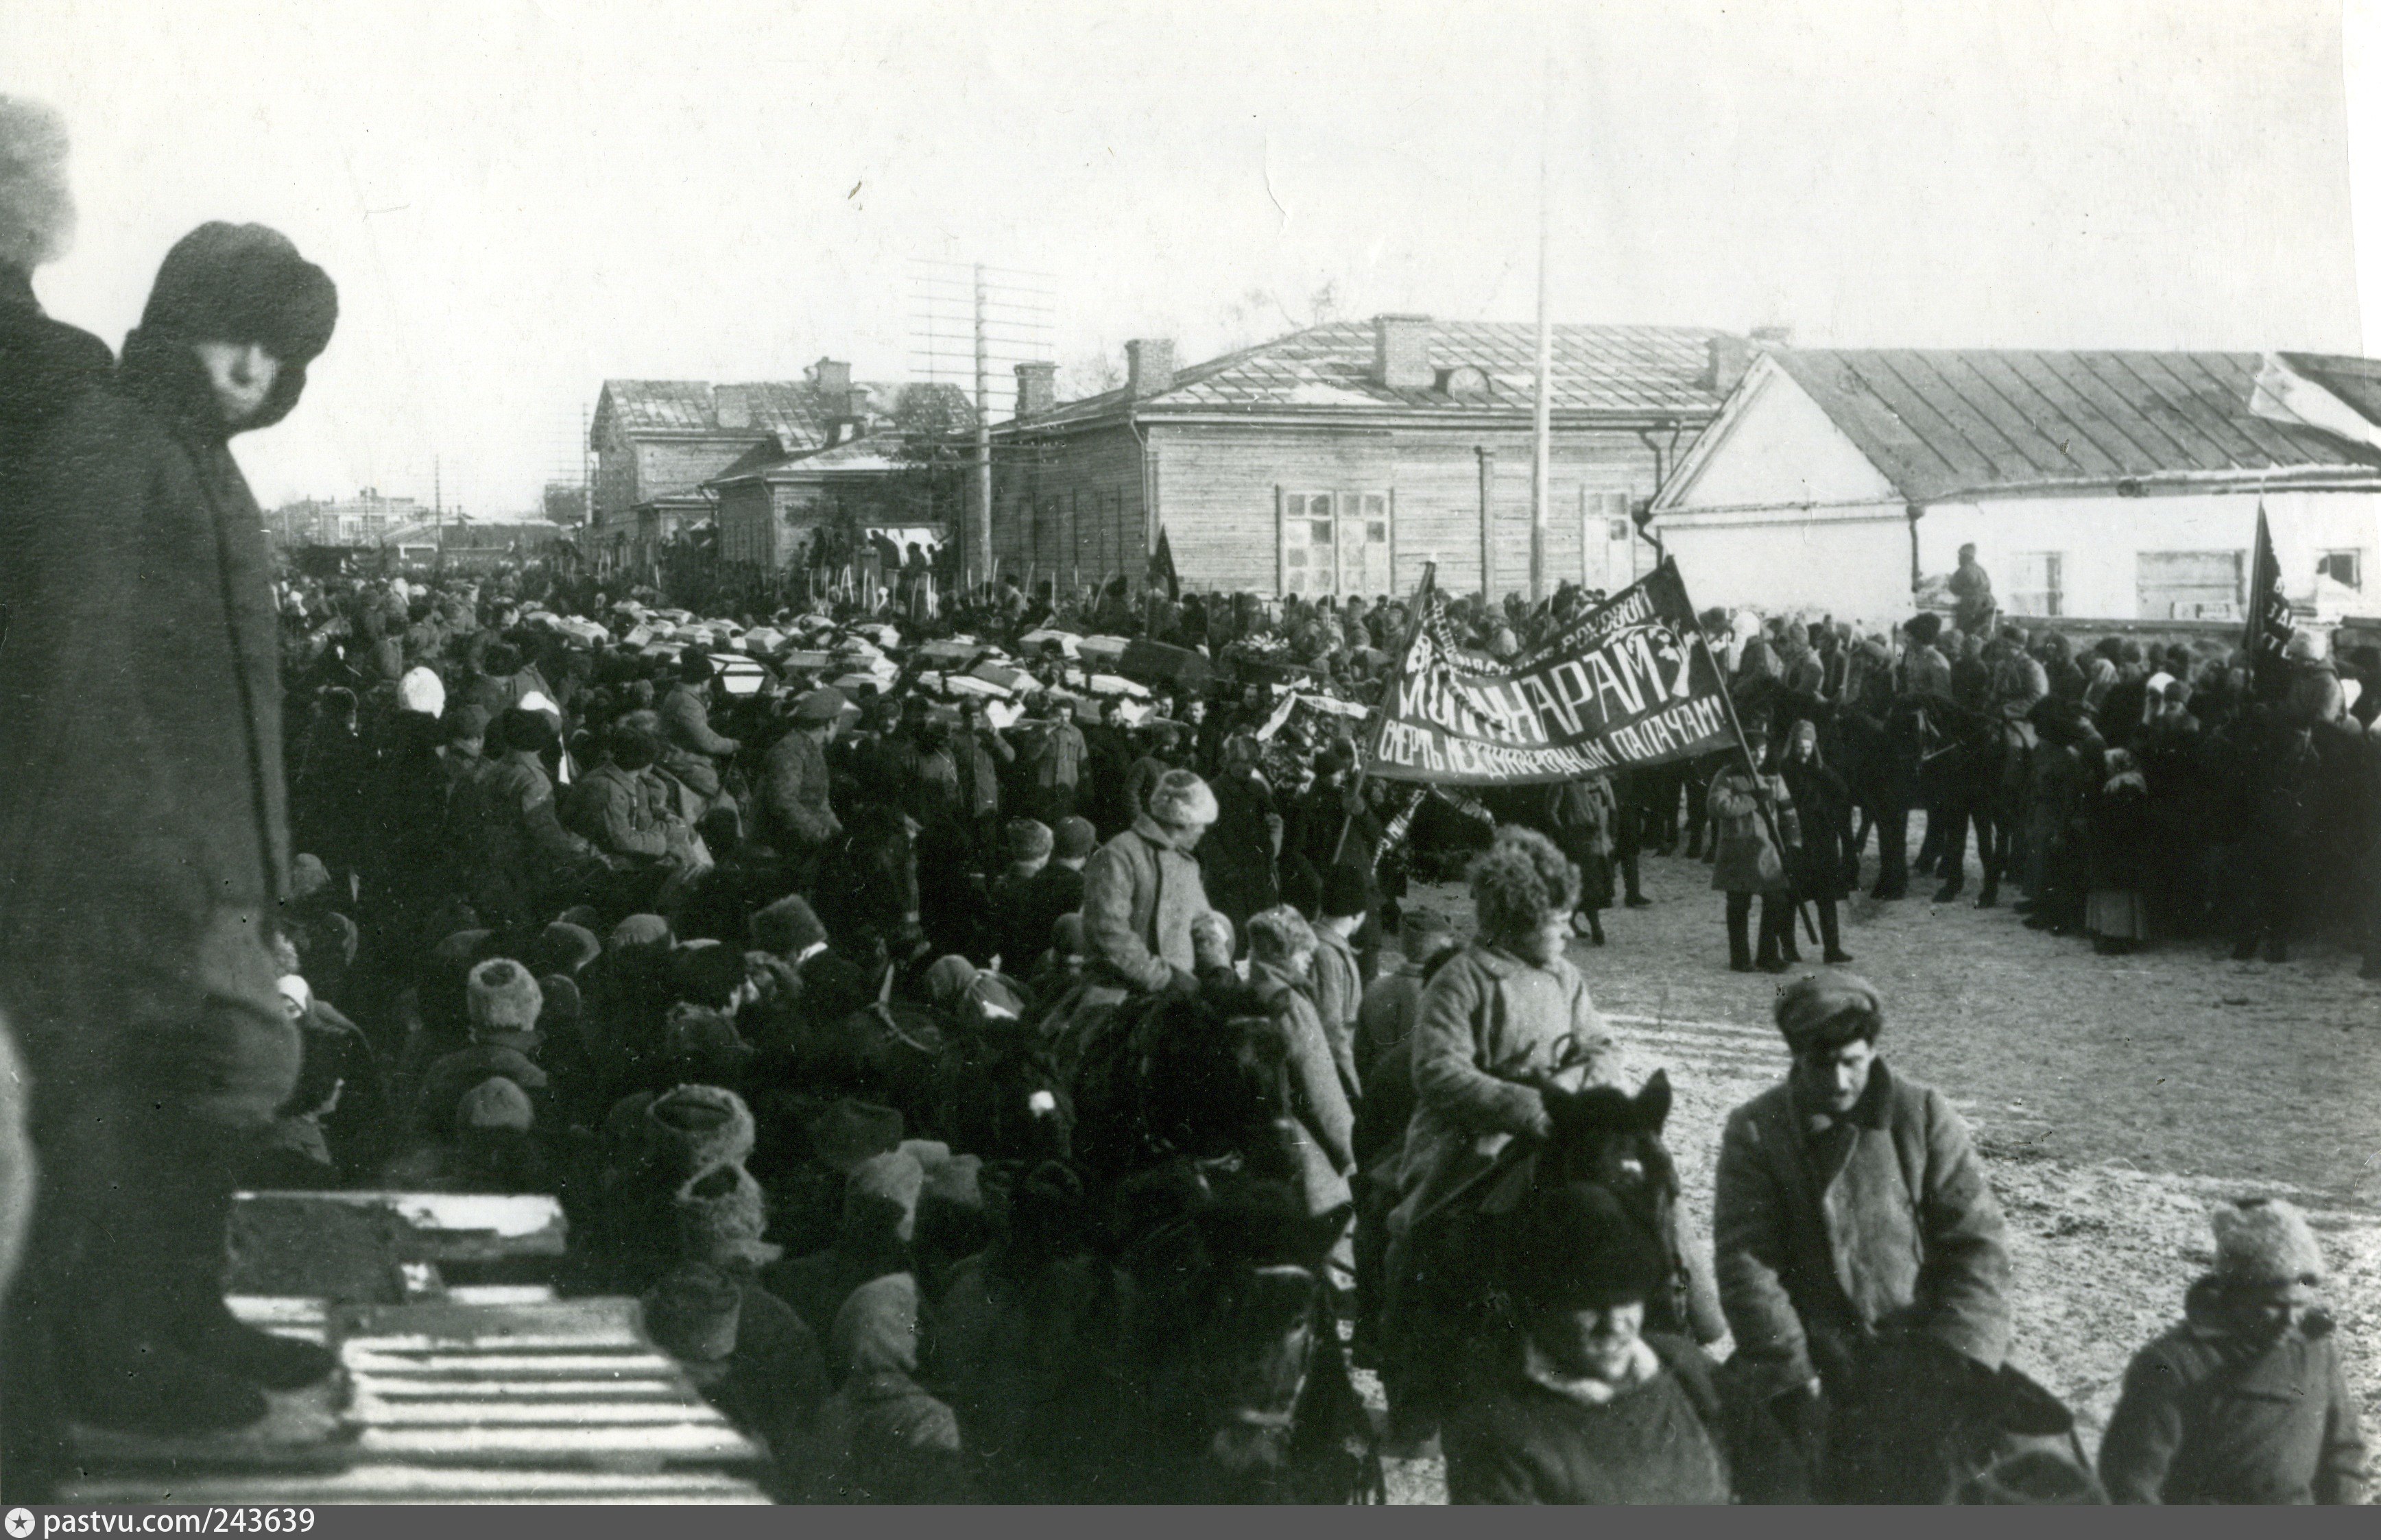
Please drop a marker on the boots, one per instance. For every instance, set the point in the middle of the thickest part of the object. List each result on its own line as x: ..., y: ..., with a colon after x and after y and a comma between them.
x: 1739, y: 936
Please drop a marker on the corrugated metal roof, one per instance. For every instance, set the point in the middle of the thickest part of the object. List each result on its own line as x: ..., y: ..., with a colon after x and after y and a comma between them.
x: 2354, y: 380
x: 1948, y: 424
x: 792, y: 410
x: 1630, y: 370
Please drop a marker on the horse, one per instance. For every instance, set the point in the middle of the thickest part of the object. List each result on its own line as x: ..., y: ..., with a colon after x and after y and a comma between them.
x: 1449, y: 1317
x: 1000, y: 1094
x: 1161, y: 1078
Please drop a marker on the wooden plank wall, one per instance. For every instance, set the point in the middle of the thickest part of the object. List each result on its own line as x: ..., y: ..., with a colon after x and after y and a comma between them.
x: 1219, y: 484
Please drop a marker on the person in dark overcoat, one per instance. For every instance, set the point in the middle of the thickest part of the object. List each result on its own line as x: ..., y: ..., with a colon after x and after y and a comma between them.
x: 1823, y: 804
x: 144, y: 833
x: 45, y: 366
x: 1237, y: 859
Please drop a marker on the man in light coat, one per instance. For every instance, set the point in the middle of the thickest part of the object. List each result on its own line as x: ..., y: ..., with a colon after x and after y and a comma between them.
x: 1141, y: 891
x: 1851, y: 1219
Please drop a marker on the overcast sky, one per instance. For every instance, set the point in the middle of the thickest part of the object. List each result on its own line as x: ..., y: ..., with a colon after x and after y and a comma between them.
x: 520, y: 198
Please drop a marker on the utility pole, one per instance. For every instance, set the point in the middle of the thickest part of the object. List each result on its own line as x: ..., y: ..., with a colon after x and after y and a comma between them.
x: 978, y: 550
x: 1540, y: 459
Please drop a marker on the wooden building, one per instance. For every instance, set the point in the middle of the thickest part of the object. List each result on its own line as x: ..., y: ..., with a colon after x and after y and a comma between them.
x: 657, y: 441
x: 2105, y: 485
x: 1340, y: 458
x: 771, y: 503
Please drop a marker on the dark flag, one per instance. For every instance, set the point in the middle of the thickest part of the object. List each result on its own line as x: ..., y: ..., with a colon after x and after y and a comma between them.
x: 1627, y: 683
x: 1161, y: 578
x: 2268, y: 632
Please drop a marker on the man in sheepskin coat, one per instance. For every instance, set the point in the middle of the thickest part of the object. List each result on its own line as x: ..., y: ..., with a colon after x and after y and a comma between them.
x: 142, y: 690
x: 1850, y: 1211
x: 1509, y: 1007
x: 1142, y: 889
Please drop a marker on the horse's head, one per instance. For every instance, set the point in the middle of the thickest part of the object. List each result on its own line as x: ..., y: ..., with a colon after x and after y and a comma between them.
x: 1606, y: 1136
x: 1254, y: 1320
x: 1214, y: 1081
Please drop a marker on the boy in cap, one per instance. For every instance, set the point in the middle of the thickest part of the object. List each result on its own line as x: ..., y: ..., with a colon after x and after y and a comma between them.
x: 1850, y: 1211
x: 1586, y: 1409
x: 144, y: 833
x: 2246, y: 1400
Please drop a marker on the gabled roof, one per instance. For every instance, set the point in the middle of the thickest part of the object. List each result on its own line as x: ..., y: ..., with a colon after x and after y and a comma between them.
x: 1625, y: 371
x: 869, y: 454
x: 2354, y: 380
x: 1946, y: 424
x: 794, y: 412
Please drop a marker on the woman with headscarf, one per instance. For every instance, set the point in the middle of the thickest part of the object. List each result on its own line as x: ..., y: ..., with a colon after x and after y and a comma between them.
x: 2117, y: 837
x: 1755, y: 813
x: 1822, y: 805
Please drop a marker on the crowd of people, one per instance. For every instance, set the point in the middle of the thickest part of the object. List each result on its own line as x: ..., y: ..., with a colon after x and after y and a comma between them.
x: 1011, y: 1093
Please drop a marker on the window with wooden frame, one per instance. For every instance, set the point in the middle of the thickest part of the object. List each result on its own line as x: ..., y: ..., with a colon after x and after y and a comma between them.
x: 2344, y: 568
x: 1310, y: 544
x: 2038, y: 584
x: 2189, y: 585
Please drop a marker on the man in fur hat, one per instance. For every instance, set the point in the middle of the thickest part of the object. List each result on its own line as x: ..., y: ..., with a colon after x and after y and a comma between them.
x: 144, y: 832
x: 1141, y: 891
x: 1508, y: 1007
x: 2246, y: 1401
x: 1851, y: 1218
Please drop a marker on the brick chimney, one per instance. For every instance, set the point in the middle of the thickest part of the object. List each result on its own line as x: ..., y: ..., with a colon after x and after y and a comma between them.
x: 1037, y: 389
x: 1729, y: 358
x: 1149, y: 365
x: 732, y: 404
x: 1401, y: 352
x: 833, y: 378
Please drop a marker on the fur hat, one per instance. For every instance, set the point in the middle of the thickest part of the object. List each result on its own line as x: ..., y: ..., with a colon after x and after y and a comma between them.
x: 698, y: 1127
x: 527, y: 729
x: 1520, y: 882
x: 1181, y: 801
x: 693, y: 1312
x: 494, y: 1103
x: 1029, y: 839
x: 563, y: 1006
x: 881, y: 1196
x: 563, y: 947
x: 787, y: 926
x: 2265, y: 1241
x: 421, y: 690
x: 503, y: 998
x: 37, y: 213
x: 1829, y: 1005
x: 308, y: 876
x: 639, y: 930
x: 465, y: 723
x: 822, y: 704
x: 1074, y: 839
x: 1280, y: 932
x: 851, y: 1131
x: 243, y: 282
x: 1575, y: 1248
x: 1422, y: 933
x: 1924, y: 629
x: 1343, y: 892
x: 721, y: 1215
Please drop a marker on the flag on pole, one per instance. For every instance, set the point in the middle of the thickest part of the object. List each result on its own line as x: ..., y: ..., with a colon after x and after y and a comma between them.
x: 1161, y: 578
x: 2267, y: 636
x: 1627, y: 682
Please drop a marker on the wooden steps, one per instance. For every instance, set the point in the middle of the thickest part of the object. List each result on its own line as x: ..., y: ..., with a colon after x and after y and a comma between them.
x: 501, y: 1394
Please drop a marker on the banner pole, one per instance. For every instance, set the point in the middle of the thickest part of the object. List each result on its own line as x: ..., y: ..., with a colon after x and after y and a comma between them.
x: 1380, y: 715
x: 1768, y: 814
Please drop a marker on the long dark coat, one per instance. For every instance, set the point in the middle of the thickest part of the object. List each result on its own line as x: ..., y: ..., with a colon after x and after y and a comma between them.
x: 144, y: 827
x: 1236, y: 858
x: 1823, y: 806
